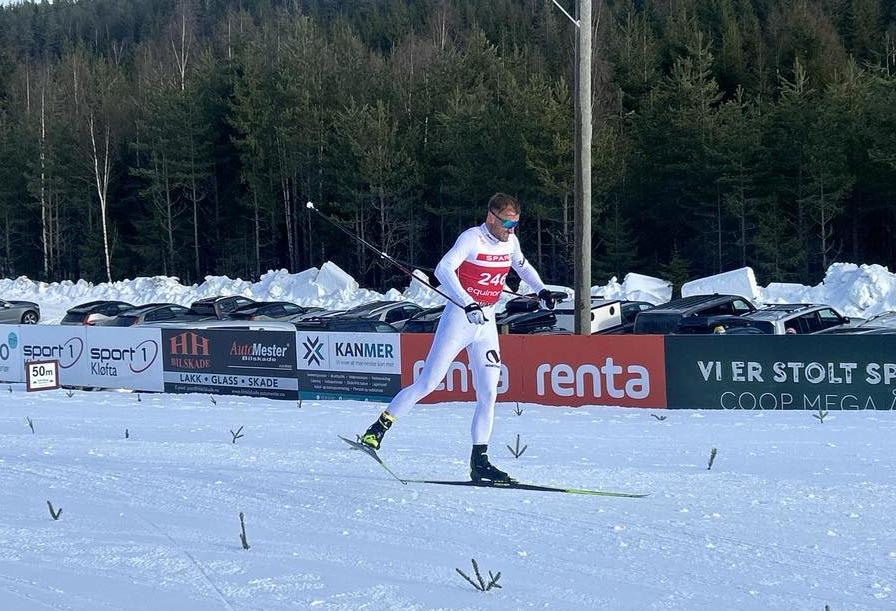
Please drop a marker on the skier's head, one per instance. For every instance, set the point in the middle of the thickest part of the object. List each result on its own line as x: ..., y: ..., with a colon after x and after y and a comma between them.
x: 502, y: 216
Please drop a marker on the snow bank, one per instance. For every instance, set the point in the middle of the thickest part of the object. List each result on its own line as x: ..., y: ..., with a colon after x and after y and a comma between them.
x: 855, y: 290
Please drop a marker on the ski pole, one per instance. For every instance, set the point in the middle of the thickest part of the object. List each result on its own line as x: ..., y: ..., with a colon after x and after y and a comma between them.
x: 382, y: 254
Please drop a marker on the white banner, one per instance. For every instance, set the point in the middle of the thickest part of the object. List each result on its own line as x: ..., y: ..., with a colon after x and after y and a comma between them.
x: 124, y: 357
x: 356, y: 352
x: 11, y: 367
x: 63, y: 343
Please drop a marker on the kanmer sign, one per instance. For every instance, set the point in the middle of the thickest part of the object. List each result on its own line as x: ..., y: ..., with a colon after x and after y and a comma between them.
x: 348, y: 365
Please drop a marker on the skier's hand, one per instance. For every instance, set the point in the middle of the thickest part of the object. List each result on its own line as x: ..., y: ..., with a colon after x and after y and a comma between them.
x: 475, y: 314
x: 546, y: 299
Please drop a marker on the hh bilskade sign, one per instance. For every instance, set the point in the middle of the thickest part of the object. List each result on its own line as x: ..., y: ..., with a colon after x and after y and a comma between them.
x: 237, y: 362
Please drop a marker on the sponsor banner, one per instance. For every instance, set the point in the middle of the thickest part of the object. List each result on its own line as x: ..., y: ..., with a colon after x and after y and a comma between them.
x: 364, y: 366
x: 122, y: 357
x: 557, y: 370
x: 11, y: 364
x: 230, y: 362
x: 782, y: 372
x: 63, y: 343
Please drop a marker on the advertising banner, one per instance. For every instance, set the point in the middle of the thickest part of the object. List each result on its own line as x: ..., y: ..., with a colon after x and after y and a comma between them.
x: 230, y: 362
x: 363, y: 366
x: 11, y: 363
x: 62, y: 343
x: 782, y: 372
x: 124, y: 357
x: 557, y: 370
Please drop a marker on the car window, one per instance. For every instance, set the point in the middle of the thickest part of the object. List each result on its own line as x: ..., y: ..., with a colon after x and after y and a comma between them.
x: 275, y: 310
x: 395, y: 314
x: 829, y: 318
x: 809, y: 323
x: 740, y: 306
x: 291, y: 308
x: 160, y: 314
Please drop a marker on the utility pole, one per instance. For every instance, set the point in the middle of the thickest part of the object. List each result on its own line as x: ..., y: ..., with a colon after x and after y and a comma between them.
x: 582, y: 234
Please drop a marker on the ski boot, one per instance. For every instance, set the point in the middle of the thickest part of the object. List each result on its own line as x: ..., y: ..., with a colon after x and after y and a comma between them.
x: 482, y: 470
x: 374, y: 435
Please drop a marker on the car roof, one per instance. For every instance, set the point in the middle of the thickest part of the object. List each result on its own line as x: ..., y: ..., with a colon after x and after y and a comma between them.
x: 782, y: 311
x: 84, y: 307
x: 694, y: 301
x: 146, y: 307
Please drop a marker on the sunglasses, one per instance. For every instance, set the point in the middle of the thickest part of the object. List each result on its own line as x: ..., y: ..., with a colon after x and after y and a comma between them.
x: 505, y: 223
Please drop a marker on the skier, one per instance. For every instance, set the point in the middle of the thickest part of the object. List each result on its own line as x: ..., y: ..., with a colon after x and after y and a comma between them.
x: 473, y: 274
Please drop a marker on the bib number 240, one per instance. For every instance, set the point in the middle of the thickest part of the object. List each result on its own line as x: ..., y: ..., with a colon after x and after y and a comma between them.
x: 486, y: 279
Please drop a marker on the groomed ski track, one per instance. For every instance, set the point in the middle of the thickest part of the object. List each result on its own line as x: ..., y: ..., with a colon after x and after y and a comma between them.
x: 794, y: 514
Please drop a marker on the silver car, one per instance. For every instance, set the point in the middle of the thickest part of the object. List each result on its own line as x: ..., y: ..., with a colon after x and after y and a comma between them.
x: 19, y: 312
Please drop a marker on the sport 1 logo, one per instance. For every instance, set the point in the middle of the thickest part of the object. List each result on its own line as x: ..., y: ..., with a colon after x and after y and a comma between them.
x: 487, y: 279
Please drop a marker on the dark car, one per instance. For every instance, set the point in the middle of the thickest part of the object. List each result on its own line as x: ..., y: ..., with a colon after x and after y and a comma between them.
x: 93, y: 312
x: 425, y: 321
x: 396, y: 313
x: 786, y: 319
x: 344, y: 325
x: 152, y: 313
x: 268, y: 310
x: 24, y: 312
x: 695, y: 314
x: 219, y: 307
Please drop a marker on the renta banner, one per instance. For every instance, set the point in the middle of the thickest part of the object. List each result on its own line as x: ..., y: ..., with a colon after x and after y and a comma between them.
x: 556, y: 370
x: 780, y: 372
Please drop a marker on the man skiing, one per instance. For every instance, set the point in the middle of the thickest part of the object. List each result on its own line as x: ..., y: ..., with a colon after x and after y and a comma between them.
x: 472, y: 274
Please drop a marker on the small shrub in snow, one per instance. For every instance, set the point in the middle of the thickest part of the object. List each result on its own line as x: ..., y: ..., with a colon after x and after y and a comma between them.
x: 712, y: 458
x: 70, y: 393
x: 518, y: 410
x: 236, y: 435
x: 821, y: 415
x: 480, y: 583
x: 243, y: 540
x: 517, y: 452
x: 30, y: 424
x: 212, y: 399
x: 54, y: 514
x: 660, y: 418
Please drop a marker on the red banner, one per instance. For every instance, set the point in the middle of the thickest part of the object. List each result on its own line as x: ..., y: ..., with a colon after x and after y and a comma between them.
x: 626, y: 370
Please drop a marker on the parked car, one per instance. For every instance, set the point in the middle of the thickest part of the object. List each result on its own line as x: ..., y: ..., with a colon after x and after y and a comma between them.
x: 344, y: 325
x: 24, y: 312
x: 219, y: 307
x: 425, y: 321
x: 269, y: 310
x: 238, y: 324
x: 694, y: 314
x: 92, y: 312
x: 151, y: 313
x: 396, y: 313
x: 786, y: 319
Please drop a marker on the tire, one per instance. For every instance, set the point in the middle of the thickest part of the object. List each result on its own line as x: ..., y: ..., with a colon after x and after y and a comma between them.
x: 29, y: 318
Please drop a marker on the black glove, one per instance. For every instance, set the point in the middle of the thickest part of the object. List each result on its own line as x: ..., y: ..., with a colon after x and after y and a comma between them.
x: 546, y: 299
x: 475, y: 314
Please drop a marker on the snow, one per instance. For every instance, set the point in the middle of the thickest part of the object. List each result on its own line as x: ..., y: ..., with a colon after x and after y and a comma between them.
x: 855, y: 290
x: 740, y: 282
x: 794, y: 514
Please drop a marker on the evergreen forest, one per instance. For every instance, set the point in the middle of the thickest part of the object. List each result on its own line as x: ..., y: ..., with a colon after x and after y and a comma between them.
x: 184, y: 137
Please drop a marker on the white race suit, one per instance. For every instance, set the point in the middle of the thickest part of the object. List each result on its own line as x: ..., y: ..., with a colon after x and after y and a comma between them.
x: 473, y: 271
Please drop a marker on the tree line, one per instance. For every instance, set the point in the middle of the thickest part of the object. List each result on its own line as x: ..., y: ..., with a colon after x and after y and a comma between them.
x: 183, y: 137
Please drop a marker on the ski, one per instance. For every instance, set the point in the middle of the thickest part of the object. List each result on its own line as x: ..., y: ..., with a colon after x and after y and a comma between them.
x: 521, y: 486
x: 372, y: 454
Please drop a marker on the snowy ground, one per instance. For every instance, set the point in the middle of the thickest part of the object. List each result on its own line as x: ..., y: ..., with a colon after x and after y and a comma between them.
x: 795, y: 514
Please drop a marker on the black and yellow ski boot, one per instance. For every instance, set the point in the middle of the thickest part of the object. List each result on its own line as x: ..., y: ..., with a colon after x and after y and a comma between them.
x: 481, y: 470
x: 374, y: 435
